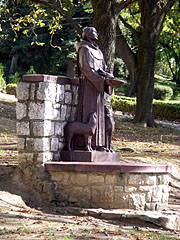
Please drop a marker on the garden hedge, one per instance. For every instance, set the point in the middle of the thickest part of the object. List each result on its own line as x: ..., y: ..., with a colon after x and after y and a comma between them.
x: 161, y: 109
x: 162, y: 92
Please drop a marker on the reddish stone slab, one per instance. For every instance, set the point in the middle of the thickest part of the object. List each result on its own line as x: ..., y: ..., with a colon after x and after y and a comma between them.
x: 35, y: 78
x: 107, y: 167
x: 39, y: 78
x: 84, y: 156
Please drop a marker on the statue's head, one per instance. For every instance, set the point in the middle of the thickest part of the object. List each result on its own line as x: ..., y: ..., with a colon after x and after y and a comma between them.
x: 90, y: 33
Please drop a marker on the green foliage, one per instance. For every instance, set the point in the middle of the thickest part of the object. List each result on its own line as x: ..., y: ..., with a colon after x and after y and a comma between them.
x: 2, y: 79
x: 168, y: 54
x: 11, y: 88
x: 124, y: 104
x: 162, y: 92
x: 120, y: 68
x: 161, y: 109
x: 166, y: 110
x: 166, y: 80
x: 14, y: 78
x: 31, y: 70
x: 38, y: 37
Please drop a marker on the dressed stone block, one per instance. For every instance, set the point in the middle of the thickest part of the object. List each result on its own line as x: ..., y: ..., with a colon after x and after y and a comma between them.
x: 40, y: 110
x: 21, y: 110
x: 68, y: 97
x: 23, y: 128
x: 45, y: 128
x: 63, y: 112
x: 22, y: 91
x: 67, y: 87
x: 41, y: 144
x: 54, y: 144
x: 21, y: 144
x: 60, y: 93
x: 46, y: 91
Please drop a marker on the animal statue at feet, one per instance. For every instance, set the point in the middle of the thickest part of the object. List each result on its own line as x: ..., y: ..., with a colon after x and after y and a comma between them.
x: 109, y: 128
x: 87, y: 130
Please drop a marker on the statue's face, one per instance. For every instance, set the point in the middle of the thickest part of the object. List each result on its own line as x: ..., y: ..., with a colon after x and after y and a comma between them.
x: 93, y: 34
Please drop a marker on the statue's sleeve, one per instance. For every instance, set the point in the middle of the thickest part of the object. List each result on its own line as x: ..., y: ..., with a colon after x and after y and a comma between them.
x: 86, y: 65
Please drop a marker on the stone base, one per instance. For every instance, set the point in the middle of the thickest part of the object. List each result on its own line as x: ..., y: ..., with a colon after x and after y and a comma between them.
x: 111, y: 185
x: 83, y: 156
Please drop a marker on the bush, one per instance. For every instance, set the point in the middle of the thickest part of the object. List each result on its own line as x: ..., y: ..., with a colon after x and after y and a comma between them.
x: 120, y: 69
x: 2, y: 84
x: 161, y: 109
x: 11, y: 88
x: 124, y: 104
x: 162, y: 92
x: 14, y: 78
x: 2, y: 79
x: 166, y: 110
x: 31, y: 70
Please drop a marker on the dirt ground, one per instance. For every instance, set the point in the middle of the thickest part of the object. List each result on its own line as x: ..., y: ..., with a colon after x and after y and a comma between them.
x: 22, y: 218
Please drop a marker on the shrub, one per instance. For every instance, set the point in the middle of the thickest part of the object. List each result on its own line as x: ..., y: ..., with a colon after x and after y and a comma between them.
x: 31, y: 70
x: 162, y: 92
x: 161, y: 109
x: 11, y: 88
x: 124, y: 104
x: 14, y: 78
x: 166, y: 110
x: 2, y: 79
x: 120, y: 69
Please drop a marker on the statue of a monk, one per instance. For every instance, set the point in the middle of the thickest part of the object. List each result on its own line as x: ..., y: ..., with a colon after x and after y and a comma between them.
x: 94, y: 75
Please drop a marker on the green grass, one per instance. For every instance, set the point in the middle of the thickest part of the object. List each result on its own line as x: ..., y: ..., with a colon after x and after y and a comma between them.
x: 153, y: 235
x: 6, y: 231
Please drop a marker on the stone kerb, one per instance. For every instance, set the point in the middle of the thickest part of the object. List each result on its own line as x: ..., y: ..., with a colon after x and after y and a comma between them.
x: 45, y: 104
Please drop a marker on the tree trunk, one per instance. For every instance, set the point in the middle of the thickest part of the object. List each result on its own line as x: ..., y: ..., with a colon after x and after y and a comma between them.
x: 147, y: 40
x: 70, y: 68
x: 105, y: 21
x: 124, y: 52
x: 145, y: 82
x: 13, y: 64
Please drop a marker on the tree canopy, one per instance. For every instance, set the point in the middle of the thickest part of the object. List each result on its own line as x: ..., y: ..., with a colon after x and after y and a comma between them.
x: 129, y: 29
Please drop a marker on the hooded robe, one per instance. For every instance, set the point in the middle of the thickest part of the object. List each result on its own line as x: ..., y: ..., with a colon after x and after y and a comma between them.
x: 90, y: 62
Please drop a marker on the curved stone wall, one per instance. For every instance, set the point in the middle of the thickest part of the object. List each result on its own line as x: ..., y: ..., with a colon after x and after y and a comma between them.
x: 131, y: 186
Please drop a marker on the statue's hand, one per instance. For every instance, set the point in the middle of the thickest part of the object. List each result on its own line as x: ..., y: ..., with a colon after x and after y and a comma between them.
x: 109, y: 75
x: 108, y: 80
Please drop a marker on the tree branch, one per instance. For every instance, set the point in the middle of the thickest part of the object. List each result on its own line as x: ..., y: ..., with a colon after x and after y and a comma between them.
x: 164, y: 11
x: 134, y: 32
x: 132, y: 14
x: 121, y: 5
x: 55, y: 5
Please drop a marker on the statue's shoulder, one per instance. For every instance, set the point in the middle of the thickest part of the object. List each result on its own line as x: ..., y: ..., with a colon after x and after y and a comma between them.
x: 93, y: 50
x: 83, y: 44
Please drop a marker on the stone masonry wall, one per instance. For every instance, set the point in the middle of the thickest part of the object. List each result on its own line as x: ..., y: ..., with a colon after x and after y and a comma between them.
x: 42, y: 110
x: 140, y: 191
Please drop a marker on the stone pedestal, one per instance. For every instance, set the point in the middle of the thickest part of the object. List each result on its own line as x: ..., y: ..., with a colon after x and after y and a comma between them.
x: 111, y: 185
x: 84, y: 156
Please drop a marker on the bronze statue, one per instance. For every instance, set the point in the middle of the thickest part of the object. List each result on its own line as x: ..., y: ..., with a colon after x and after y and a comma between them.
x: 86, y: 130
x: 93, y: 82
x: 109, y: 128
x: 92, y: 132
